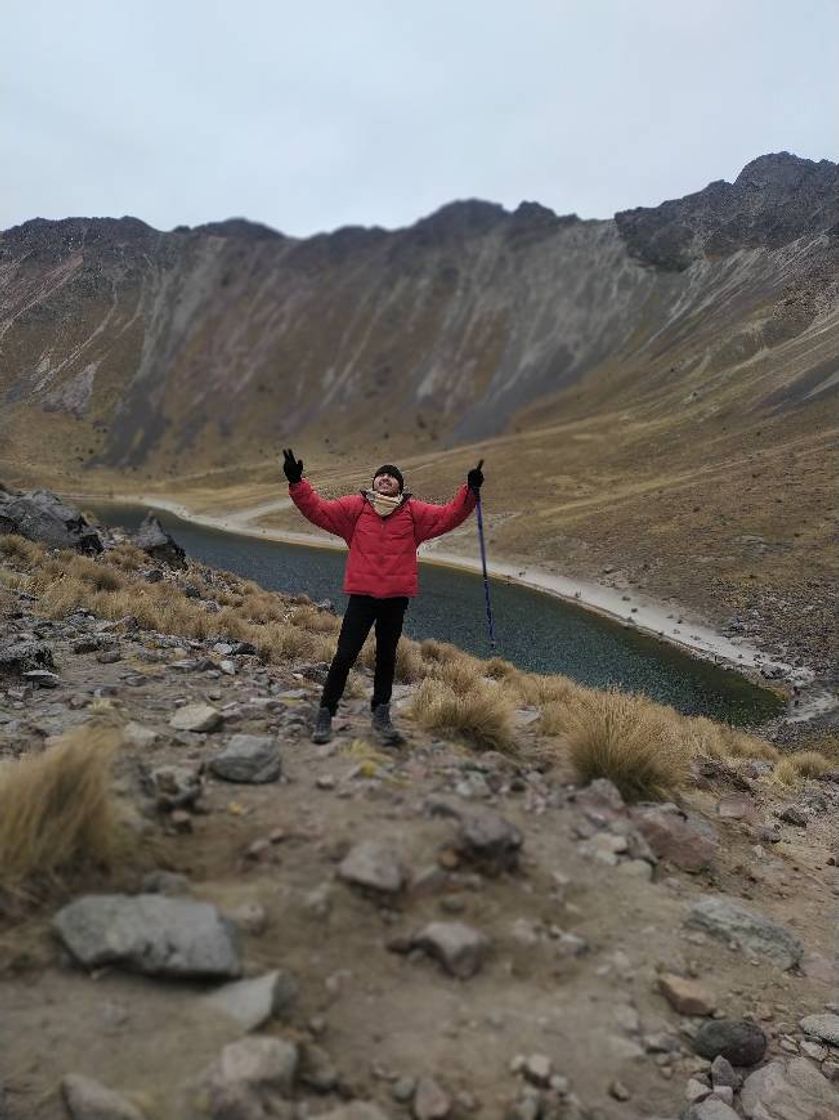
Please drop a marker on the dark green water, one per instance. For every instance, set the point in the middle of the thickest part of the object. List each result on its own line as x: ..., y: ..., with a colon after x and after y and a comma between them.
x: 535, y: 631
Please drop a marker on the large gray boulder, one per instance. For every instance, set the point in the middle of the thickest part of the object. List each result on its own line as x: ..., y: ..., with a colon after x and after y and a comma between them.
x: 735, y: 923
x: 150, y: 933
x: 253, y: 759
x: 788, y: 1090
x: 152, y: 538
x: 18, y: 657
x: 40, y: 515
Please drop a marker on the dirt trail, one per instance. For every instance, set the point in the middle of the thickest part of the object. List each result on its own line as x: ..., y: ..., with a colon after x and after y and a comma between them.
x: 577, y: 939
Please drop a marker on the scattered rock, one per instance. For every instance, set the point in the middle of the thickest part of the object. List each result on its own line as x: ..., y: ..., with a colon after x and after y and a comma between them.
x: 317, y: 1069
x: 373, y: 865
x: 619, y: 1091
x: 42, y: 678
x: 739, y: 1041
x: 250, y: 917
x: 737, y: 807
x: 250, y: 1076
x: 825, y: 1027
x: 403, y: 1089
x: 431, y: 1102
x: 793, y: 814
x: 459, y: 948
x: 39, y: 515
x: 152, y: 538
x: 724, y: 1074
x: 731, y: 921
x: 174, y: 787
x: 197, y: 717
x: 684, y: 839
x: 686, y: 996
x: 171, y: 883
x: 357, y: 1110
x: 605, y: 847
x: 19, y: 657
x: 253, y: 1002
x: 137, y: 736
x: 537, y: 1069
x: 248, y: 758
x: 789, y: 1090
x: 489, y: 840
x: 87, y: 1099
x: 711, y: 1109
x: 149, y: 933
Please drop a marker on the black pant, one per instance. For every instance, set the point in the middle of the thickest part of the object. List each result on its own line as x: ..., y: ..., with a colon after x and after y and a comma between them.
x: 362, y: 611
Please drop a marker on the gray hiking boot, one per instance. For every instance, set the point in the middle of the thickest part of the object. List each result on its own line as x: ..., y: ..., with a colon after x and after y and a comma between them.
x: 322, y: 732
x: 384, y: 729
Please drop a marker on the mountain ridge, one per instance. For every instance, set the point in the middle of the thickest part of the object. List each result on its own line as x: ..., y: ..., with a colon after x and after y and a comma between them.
x: 627, y: 362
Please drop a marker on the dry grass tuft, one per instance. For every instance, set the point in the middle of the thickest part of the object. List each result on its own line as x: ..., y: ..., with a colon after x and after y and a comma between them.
x: 630, y: 740
x: 555, y: 718
x: 57, y: 813
x: 128, y: 557
x: 797, y: 768
x: 315, y: 620
x: 409, y: 663
x: 482, y: 716
x: 536, y: 690
x: 19, y: 550
x: 499, y: 669
x: 460, y: 675
x: 436, y: 652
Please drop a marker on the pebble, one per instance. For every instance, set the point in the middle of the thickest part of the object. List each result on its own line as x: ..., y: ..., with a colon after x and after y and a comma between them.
x: 619, y: 1091
x: 197, y: 717
x: 459, y: 948
x: 431, y: 1101
x: 374, y: 865
x: 87, y: 1099
x: 686, y: 996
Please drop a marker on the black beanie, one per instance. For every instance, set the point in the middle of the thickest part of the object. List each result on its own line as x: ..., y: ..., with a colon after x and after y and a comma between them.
x: 394, y: 472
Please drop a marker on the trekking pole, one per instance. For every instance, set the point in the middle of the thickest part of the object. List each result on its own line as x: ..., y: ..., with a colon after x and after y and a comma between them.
x: 486, y: 577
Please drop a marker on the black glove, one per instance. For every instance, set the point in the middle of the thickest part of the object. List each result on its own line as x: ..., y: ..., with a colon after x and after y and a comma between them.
x: 475, y: 478
x: 293, y: 467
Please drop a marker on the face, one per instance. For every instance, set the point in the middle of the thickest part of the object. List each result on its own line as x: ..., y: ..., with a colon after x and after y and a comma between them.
x: 386, y: 484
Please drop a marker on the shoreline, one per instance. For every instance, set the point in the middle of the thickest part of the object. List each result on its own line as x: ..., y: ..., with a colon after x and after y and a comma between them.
x: 667, y: 624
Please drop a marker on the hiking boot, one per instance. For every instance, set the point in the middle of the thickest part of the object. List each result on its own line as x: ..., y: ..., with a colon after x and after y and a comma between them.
x: 323, y: 726
x: 384, y: 729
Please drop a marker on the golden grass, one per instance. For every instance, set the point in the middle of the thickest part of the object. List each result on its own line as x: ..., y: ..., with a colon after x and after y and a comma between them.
x: 482, y: 716
x: 18, y: 549
x: 628, y: 739
x: 460, y: 675
x: 796, y: 768
x: 434, y: 651
x: 536, y: 690
x: 57, y: 812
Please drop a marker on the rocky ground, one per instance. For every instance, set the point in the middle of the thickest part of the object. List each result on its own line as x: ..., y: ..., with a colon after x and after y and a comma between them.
x: 427, y: 931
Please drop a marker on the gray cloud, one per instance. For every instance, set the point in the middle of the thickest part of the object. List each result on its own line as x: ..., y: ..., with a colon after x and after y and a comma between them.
x: 308, y: 117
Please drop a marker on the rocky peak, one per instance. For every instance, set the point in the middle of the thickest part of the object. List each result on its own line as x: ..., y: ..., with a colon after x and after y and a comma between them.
x: 239, y: 228
x: 775, y: 199
x: 461, y: 219
x: 44, y: 239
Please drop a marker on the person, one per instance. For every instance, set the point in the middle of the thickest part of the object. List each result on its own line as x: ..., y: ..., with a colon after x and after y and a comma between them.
x: 383, y: 527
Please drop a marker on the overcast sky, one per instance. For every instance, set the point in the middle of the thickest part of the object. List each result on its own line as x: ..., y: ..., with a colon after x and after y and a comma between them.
x: 313, y: 114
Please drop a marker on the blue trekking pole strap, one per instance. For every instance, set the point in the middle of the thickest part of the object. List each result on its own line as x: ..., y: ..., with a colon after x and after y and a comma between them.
x: 486, y: 577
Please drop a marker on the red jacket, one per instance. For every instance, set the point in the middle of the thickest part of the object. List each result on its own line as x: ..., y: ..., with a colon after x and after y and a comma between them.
x: 383, y: 550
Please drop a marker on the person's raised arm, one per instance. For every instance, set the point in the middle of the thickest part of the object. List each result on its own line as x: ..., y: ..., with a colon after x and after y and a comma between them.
x: 337, y: 515
x: 432, y: 520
